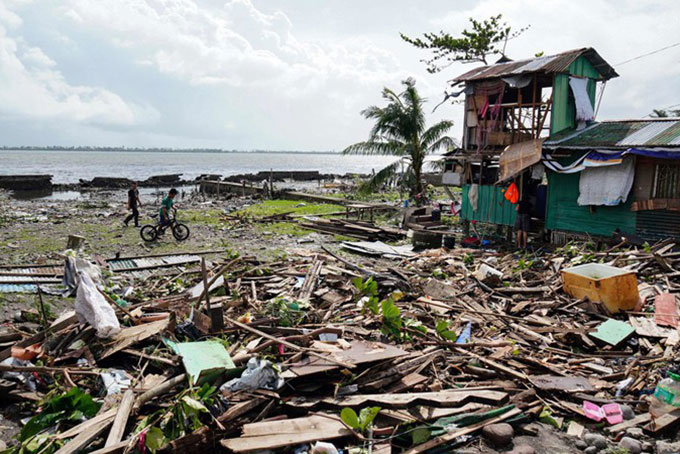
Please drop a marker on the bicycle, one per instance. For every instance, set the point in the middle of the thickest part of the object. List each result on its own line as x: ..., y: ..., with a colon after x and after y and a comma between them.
x: 151, y: 232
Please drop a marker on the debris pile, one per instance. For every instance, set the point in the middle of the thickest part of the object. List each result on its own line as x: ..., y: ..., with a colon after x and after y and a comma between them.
x: 317, y: 353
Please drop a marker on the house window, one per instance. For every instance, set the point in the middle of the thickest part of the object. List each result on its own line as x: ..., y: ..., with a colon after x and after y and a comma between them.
x: 666, y: 181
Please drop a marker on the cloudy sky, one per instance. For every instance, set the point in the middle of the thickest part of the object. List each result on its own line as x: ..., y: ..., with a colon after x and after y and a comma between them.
x: 282, y: 74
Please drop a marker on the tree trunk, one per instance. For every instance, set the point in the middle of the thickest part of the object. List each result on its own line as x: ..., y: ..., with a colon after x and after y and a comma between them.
x: 418, y: 187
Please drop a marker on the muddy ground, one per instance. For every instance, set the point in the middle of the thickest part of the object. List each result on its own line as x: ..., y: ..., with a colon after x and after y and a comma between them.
x: 36, y: 232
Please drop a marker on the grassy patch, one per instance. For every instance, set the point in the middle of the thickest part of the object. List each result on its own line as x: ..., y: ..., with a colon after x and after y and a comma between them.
x: 283, y: 228
x: 271, y: 207
x: 205, y: 216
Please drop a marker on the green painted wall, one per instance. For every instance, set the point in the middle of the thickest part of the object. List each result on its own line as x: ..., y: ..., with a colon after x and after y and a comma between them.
x: 564, y: 213
x: 563, y: 108
x: 492, y: 207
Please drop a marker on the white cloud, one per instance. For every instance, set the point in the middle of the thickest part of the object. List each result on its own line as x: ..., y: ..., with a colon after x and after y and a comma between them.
x: 256, y: 74
x: 237, y: 45
x: 32, y: 86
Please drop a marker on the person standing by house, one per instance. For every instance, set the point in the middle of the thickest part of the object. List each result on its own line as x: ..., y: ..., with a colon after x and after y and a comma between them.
x: 523, y: 222
x: 133, y: 203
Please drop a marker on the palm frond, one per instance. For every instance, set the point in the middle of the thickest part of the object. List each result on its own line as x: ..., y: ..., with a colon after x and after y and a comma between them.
x: 445, y: 142
x: 376, y: 148
x: 380, y: 178
x: 434, y: 133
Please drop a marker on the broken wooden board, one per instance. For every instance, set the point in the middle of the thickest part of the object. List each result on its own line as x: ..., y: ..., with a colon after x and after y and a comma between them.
x: 636, y: 421
x: 359, y: 353
x: 130, y: 336
x: 613, y: 332
x: 645, y: 326
x: 287, y: 432
x: 666, y: 310
x: 425, y: 413
x: 448, y: 398
x: 575, y: 429
x: 565, y: 384
x: 663, y: 423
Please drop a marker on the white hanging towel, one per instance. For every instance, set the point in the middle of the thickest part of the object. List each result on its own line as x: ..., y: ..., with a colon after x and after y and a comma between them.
x: 584, y: 109
x: 606, y: 185
x: 473, y: 196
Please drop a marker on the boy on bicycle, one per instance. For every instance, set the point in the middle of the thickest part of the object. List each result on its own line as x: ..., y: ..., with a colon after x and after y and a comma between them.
x: 166, y: 206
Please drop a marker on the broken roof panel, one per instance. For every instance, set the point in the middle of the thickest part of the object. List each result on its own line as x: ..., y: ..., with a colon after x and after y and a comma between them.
x: 621, y: 134
x: 546, y: 64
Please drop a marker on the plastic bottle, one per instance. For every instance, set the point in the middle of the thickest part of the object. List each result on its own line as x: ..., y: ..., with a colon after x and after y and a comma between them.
x: 666, y: 396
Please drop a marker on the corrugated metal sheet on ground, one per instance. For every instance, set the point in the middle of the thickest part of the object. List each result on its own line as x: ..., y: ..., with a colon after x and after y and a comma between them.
x: 149, y: 262
x: 655, y: 225
x: 43, y: 271
x: 492, y: 207
x: 144, y: 274
x: 27, y: 279
x: 51, y: 289
x: 18, y: 288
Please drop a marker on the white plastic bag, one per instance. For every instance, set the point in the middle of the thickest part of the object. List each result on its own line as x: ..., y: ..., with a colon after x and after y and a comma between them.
x: 260, y: 374
x: 92, y: 307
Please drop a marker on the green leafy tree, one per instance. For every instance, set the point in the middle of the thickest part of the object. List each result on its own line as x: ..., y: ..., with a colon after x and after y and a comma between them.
x: 400, y: 130
x: 485, y: 39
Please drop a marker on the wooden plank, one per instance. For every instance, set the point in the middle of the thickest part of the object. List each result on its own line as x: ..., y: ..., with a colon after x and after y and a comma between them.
x: 132, y: 335
x: 86, y: 437
x: 450, y: 398
x: 636, y: 421
x: 120, y: 421
x: 85, y: 425
x: 277, y: 434
x: 663, y: 423
x: 566, y: 384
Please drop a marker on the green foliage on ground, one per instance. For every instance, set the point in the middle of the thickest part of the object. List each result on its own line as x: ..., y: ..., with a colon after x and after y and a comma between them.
x: 63, y: 409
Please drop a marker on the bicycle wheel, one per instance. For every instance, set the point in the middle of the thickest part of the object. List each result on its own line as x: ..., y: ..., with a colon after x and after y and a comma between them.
x: 180, y: 232
x: 148, y: 233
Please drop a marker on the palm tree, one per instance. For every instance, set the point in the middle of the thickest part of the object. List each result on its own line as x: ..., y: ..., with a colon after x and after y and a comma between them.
x: 399, y: 130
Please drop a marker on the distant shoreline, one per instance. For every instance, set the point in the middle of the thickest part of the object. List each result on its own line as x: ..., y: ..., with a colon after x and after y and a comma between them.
x: 178, y: 150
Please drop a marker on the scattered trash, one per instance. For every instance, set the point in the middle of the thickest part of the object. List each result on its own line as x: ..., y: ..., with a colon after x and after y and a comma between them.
x: 92, y: 307
x: 115, y: 381
x: 260, y: 374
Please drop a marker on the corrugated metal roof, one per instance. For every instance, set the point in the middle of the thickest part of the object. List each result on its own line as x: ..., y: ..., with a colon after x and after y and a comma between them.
x: 656, y: 132
x: 646, y: 133
x: 546, y: 64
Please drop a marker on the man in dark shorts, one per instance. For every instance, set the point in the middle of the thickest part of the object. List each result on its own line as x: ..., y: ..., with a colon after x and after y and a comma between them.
x: 522, y: 222
x: 132, y: 204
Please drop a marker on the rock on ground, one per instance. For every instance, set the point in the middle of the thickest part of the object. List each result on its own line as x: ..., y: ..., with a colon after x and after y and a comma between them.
x: 498, y: 434
x: 631, y: 444
x: 591, y: 450
x: 627, y: 411
x: 665, y: 447
x: 522, y: 449
x: 596, y: 440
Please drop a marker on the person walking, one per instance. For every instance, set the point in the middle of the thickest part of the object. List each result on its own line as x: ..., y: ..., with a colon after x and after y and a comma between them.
x: 523, y: 222
x: 133, y: 204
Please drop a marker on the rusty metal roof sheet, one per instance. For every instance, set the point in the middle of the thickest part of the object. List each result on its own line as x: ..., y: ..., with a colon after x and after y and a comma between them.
x: 656, y: 132
x: 545, y: 64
